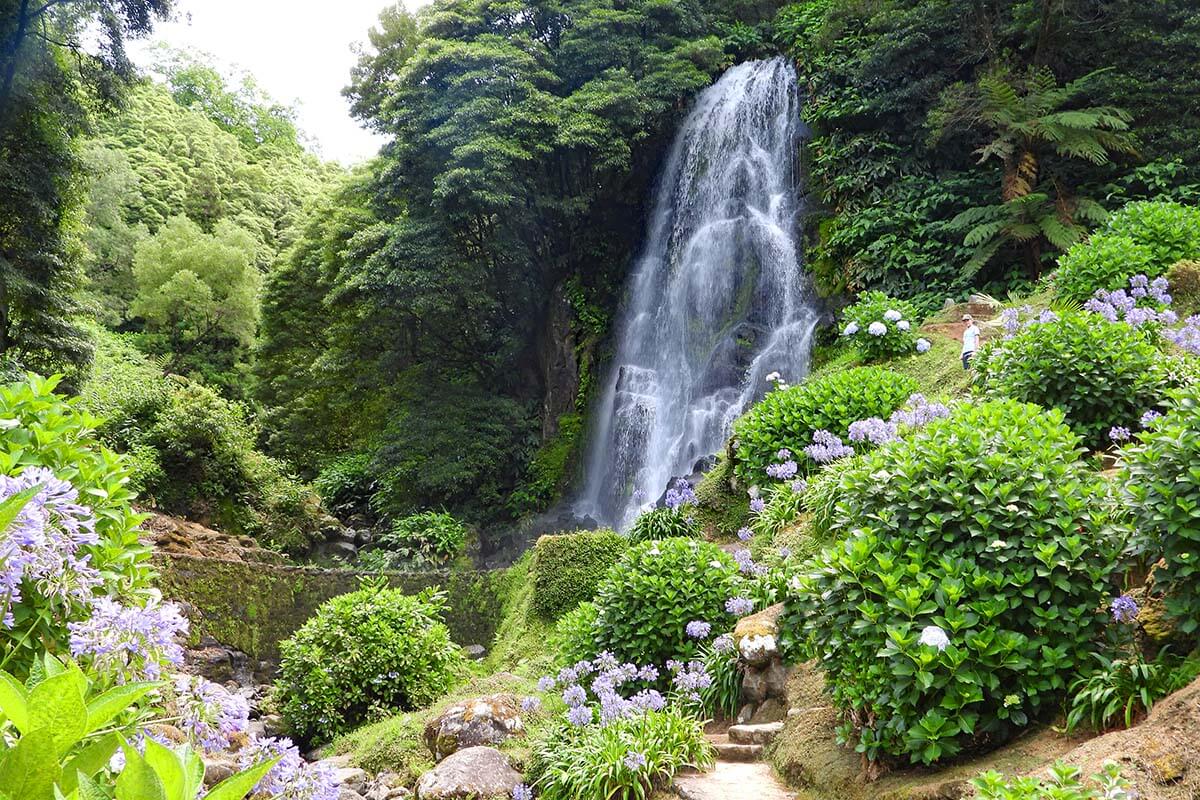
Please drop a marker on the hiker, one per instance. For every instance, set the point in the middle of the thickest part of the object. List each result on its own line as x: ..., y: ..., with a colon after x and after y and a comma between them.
x: 970, y: 339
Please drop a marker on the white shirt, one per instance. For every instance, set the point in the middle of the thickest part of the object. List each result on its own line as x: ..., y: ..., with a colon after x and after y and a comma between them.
x: 971, y: 339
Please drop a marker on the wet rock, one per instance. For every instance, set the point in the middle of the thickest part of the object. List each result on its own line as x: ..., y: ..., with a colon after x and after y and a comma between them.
x: 476, y: 773
x: 475, y: 651
x: 487, y: 720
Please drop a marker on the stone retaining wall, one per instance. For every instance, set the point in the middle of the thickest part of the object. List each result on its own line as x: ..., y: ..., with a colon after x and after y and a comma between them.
x: 252, y: 607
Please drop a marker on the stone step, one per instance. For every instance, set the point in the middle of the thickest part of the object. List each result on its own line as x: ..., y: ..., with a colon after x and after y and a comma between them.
x: 731, y: 781
x: 764, y: 733
x: 733, y: 751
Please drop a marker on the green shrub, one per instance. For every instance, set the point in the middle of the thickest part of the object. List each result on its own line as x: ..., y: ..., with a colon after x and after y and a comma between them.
x: 1116, y: 690
x: 346, y: 483
x: 650, y: 595
x: 428, y: 538
x: 1101, y: 374
x: 1169, y: 230
x: 568, y: 567
x: 574, y: 762
x: 1145, y: 237
x: 1064, y: 784
x: 665, y: 523
x: 897, y: 334
x: 786, y: 419
x: 1160, y: 484
x: 574, y: 638
x: 1184, y: 280
x: 969, y: 585
x: 362, y: 655
x: 193, y: 452
x: 45, y: 430
x: 1104, y: 261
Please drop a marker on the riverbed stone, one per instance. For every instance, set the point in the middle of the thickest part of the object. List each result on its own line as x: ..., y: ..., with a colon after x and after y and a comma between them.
x: 487, y: 720
x: 474, y: 773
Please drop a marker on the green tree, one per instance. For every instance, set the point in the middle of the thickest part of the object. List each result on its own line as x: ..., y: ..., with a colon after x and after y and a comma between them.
x: 1027, y: 117
x: 196, y: 287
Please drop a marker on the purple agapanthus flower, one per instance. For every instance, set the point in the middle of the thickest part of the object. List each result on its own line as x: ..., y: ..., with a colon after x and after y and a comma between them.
x: 292, y: 778
x: 745, y: 534
x: 522, y: 792
x: 698, y: 629
x: 681, y: 494
x: 1124, y: 609
x: 210, y: 714
x: 1118, y: 433
x: 827, y: 448
x: 634, y: 761
x: 1149, y: 417
x: 739, y: 606
x: 580, y: 716
x: 783, y: 471
x: 757, y: 504
x: 130, y: 642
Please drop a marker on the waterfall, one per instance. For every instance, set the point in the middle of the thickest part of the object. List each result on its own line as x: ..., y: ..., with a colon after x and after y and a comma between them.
x: 716, y: 301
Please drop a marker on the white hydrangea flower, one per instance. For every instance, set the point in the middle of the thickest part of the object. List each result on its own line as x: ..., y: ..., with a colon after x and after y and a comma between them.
x: 877, y: 329
x: 933, y: 636
x: 850, y: 329
x: 891, y: 315
x: 923, y: 345
x: 903, y: 325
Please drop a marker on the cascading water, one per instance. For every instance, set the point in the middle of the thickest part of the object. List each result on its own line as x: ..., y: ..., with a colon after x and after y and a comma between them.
x: 717, y: 300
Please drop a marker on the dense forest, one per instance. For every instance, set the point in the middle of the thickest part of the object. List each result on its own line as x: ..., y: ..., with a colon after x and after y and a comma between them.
x: 424, y: 331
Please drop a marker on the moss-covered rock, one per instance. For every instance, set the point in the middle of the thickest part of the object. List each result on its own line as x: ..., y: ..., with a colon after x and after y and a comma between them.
x: 568, y: 567
x: 721, y: 509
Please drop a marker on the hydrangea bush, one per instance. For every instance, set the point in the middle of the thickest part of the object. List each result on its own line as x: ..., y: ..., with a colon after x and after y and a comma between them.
x: 1145, y: 237
x: 789, y: 419
x: 645, y: 603
x: 1100, y: 374
x: 880, y: 326
x: 365, y: 653
x: 1160, y: 484
x: 968, y: 586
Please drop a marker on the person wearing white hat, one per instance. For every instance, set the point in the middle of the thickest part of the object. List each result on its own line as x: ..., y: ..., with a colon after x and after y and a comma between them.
x: 970, y: 339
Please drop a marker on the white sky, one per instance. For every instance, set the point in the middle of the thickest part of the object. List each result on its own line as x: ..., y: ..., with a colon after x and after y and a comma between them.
x: 297, y: 50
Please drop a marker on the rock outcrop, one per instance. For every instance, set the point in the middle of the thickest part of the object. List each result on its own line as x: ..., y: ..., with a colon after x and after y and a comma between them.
x: 764, y: 677
x: 476, y: 773
x: 485, y: 720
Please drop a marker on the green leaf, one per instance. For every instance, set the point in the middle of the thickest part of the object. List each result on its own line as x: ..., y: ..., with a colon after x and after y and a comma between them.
x: 30, y: 770
x: 103, y: 708
x: 138, y: 780
x: 168, y: 766
x: 10, y: 507
x: 56, y: 705
x: 13, y: 703
x: 90, y: 760
x: 236, y: 787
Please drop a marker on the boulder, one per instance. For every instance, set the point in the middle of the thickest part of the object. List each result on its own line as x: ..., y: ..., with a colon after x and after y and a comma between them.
x: 475, y: 773
x: 756, y: 626
x: 487, y: 720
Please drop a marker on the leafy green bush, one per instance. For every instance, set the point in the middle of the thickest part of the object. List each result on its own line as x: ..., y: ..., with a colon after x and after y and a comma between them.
x: 1160, y: 485
x: 1101, y: 374
x: 194, y: 453
x: 363, y: 654
x: 1064, y: 784
x: 425, y: 538
x: 1145, y: 237
x: 1169, y: 230
x: 968, y: 587
x: 880, y: 326
x: 346, y: 483
x: 42, y: 429
x: 655, y: 590
x: 1105, y: 261
x: 574, y: 762
x: 665, y: 523
x: 574, y: 638
x: 786, y: 419
x: 568, y: 567
x: 1114, y: 692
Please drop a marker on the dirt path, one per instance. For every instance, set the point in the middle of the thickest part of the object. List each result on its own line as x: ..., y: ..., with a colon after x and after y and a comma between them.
x: 733, y: 781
